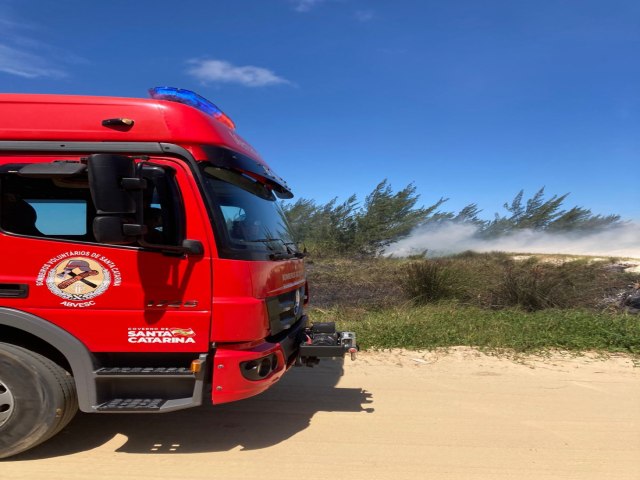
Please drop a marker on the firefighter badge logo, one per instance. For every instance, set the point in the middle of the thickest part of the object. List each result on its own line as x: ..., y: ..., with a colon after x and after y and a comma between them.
x: 78, y: 279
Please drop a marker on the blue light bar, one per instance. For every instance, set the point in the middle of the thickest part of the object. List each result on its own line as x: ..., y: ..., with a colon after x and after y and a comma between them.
x: 192, y: 99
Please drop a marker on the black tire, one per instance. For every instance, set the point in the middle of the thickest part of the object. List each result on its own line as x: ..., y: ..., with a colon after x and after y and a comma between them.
x: 39, y: 399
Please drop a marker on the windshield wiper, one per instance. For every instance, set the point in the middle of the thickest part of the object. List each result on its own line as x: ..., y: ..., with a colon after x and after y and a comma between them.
x: 295, y: 252
x: 282, y: 256
x: 290, y: 253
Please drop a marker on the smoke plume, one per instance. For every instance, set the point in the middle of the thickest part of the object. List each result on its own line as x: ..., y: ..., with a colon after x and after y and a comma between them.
x: 450, y: 237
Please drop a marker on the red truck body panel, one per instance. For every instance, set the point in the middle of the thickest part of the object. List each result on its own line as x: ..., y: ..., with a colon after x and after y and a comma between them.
x: 79, y: 118
x: 151, y: 302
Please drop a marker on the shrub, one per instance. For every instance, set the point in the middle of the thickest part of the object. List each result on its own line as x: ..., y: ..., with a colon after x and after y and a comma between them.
x: 430, y: 280
x: 356, y: 282
x: 486, y: 280
x: 535, y: 285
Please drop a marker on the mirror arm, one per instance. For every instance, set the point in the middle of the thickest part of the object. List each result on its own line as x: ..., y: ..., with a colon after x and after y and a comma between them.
x: 134, y: 229
x: 133, y: 183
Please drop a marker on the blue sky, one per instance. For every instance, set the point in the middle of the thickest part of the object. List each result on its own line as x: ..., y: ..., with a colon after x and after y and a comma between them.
x: 471, y: 100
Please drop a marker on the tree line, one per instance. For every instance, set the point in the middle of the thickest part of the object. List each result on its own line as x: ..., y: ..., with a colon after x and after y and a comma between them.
x: 386, y: 216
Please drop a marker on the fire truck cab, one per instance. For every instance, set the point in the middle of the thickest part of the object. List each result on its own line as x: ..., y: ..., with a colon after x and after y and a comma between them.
x: 143, y: 256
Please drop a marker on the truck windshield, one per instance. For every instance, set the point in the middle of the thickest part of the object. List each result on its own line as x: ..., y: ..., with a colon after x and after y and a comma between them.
x: 249, y: 221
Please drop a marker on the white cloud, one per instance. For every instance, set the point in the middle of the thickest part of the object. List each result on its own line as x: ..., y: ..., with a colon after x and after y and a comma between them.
x: 305, y: 5
x: 25, y: 64
x: 219, y: 71
x: 8, y: 23
x: 364, y: 15
x: 24, y: 55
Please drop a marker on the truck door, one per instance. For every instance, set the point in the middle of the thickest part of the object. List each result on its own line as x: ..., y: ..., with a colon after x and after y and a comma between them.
x: 114, y: 298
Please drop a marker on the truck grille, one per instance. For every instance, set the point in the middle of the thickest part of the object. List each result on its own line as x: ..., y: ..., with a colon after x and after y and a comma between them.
x: 285, y: 310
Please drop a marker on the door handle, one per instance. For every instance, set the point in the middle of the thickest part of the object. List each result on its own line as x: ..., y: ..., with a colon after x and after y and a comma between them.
x: 14, y: 290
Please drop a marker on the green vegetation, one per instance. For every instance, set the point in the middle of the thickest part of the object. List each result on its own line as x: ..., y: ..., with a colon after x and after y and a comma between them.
x: 348, y: 228
x: 365, y: 230
x: 542, y: 214
x: 497, y: 280
x: 449, y: 324
x: 483, y: 300
x: 486, y: 280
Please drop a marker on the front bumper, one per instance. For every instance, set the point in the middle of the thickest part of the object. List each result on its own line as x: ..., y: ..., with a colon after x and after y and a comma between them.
x: 244, y: 372
x: 230, y: 383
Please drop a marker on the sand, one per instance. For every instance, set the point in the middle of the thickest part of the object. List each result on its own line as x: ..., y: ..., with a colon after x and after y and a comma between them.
x: 389, y: 415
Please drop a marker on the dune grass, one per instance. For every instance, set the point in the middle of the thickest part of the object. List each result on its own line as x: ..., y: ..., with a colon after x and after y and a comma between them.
x: 447, y: 324
x: 489, y: 300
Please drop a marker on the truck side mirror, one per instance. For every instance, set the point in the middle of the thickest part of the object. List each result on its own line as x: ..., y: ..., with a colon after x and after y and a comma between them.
x: 114, y: 183
x: 193, y: 247
x: 113, y: 230
x: 116, y: 190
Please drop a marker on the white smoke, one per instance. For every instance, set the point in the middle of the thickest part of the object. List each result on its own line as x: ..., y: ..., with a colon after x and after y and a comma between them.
x: 450, y: 237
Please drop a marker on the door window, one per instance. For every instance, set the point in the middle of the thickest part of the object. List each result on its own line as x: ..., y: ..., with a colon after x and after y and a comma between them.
x: 63, y: 209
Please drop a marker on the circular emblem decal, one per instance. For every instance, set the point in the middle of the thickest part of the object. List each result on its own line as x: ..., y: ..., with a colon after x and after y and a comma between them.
x: 78, y: 278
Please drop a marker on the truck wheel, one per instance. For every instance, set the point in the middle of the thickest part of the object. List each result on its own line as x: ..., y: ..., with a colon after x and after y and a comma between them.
x: 37, y: 399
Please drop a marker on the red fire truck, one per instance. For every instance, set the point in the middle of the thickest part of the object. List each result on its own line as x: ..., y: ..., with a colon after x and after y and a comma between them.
x: 143, y: 257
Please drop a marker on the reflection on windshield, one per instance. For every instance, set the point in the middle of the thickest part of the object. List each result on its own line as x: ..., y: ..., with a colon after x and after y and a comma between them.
x: 252, y: 219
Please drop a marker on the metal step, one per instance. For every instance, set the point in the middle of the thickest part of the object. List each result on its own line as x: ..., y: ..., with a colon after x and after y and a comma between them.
x: 144, y: 371
x: 131, y: 405
x: 137, y: 389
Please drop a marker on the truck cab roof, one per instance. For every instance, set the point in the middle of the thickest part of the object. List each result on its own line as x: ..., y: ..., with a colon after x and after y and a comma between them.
x: 41, y: 117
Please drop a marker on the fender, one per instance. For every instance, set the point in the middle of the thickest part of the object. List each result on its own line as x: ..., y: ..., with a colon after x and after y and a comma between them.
x: 73, y: 350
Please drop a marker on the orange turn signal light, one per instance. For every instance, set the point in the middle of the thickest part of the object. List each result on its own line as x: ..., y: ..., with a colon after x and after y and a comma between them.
x: 196, y: 366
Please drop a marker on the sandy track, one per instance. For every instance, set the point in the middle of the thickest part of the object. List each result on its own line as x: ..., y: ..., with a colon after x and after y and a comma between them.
x: 390, y: 415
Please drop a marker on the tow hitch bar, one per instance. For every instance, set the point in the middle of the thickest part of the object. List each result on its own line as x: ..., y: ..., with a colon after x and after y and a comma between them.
x: 322, y: 340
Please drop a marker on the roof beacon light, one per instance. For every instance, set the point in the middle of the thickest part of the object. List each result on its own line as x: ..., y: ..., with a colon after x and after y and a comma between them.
x: 192, y: 99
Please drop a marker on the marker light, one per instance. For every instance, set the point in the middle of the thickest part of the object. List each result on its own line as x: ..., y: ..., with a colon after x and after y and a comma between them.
x: 117, y: 122
x: 192, y: 99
